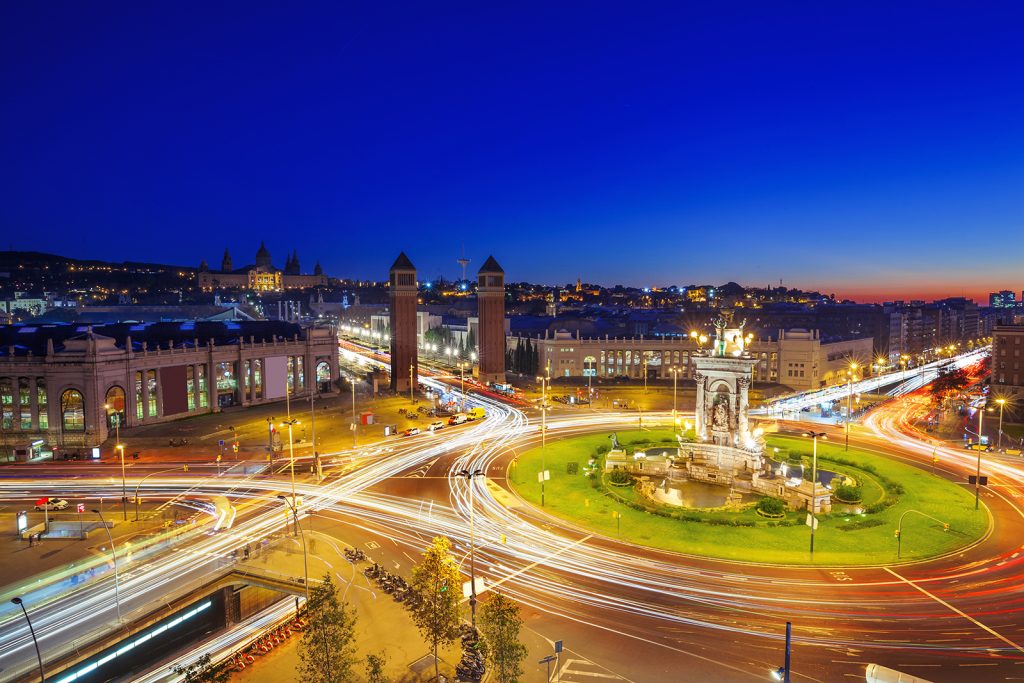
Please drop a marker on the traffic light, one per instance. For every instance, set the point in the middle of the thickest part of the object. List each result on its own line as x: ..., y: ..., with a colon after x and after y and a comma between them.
x: 185, y: 468
x: 897, y: 533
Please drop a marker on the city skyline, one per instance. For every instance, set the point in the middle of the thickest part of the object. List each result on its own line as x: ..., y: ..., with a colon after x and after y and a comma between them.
x: 621, y: 147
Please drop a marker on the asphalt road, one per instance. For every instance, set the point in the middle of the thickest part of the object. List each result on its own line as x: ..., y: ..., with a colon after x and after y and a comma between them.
x: 623, y: 611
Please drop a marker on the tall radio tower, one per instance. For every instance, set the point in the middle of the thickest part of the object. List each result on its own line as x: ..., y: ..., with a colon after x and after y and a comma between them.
x: 463, y: 261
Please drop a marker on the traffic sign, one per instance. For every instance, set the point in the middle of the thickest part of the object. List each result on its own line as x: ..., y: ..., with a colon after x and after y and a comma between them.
x: 81, y: 508
x: 42, y: 501
x: 221, y: 442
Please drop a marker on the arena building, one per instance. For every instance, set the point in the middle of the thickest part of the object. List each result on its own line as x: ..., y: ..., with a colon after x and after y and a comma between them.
x: 66, y: 387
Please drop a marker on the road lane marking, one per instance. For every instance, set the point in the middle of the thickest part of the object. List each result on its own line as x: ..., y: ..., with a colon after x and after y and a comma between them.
x: 960, y: 612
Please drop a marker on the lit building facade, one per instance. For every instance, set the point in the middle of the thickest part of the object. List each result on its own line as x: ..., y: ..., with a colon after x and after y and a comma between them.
x: 65, y: 387
x: 262, y: 276
x: 1008, y: 368
x: 796, y: 358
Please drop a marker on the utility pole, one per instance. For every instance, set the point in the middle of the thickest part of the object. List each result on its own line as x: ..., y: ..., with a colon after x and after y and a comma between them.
x: 412, y: 383
x: 355, y: 426
x: 814, y: 484
x: 469, y: 476
x: 544, y: 432
x: 977, y: 476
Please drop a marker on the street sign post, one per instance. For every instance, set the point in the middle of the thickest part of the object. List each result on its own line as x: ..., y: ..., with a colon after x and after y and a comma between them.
x: 81, y: 527
x: 547, y: 660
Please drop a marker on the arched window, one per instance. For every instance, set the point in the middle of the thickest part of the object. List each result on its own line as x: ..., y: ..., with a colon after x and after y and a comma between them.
x: 72, y: 411
x: 323, y: 376
x: 114, y: 405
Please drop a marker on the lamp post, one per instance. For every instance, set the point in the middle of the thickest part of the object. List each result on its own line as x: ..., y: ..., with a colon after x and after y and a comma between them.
x: 139, y: 486
x: 355, y: 426
x: 21, y: 603
x: 543, y: 432
x: 977, y: 476
x: 412, y: 383
x: 469, y: 476
x: 849, y: 404
x: 291, y: 463
x: 899, y: 529
x: 113, y: 554
x: 814, y: 481
x: 1001, y: 402
x: 118, y: 446
x: 462, y: 385
x: 302, y: 536
x: 675, y: 384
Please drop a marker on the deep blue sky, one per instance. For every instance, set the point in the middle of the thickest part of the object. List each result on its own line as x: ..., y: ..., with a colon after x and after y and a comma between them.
x: 855, y: 148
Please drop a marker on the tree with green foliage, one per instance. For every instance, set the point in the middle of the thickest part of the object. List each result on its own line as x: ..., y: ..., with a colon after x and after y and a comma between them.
x: 437, y: 582
x: 203, y: 670
x: 500, y: 625
x: 375, y: 668
x: 327, y: 649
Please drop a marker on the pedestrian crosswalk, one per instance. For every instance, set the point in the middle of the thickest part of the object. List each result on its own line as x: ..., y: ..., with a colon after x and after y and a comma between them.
x: 579, y: 670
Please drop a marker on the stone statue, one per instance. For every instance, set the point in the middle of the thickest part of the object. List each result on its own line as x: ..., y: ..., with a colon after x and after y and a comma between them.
x: 720, y: 417
x: 615, y: 441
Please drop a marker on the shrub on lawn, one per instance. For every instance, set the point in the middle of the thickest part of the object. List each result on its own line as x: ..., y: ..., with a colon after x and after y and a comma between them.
x: 848, y: 494
x: 572, y: 468
x: 771, y: 506
x: 620, y: 477
x: 861, y: 524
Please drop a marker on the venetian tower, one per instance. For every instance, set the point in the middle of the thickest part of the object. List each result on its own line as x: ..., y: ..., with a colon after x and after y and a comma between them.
x: 404, y: 360
x: 490, y: 303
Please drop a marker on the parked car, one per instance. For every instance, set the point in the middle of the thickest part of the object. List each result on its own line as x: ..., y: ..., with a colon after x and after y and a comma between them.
x: 412, y: 431
x: 434, y: 426
x: 53, y: 504
x: 477, y: 413
x: 457, y: 419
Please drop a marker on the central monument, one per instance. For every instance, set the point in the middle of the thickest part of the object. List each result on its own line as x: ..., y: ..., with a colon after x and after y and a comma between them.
x: 723, y: 376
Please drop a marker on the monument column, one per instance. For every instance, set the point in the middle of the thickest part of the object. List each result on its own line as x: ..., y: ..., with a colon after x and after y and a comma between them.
x: 403, y: 323
x: 699, y: 407
x: 743, y: 400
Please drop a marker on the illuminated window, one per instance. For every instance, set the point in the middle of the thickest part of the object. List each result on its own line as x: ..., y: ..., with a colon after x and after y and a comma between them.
x: 201, y: 377
x: 139, y: 403
x: 114, y: 400
x: 257, y: 377
x: 190, y: 386
x: 44, y: 418
x: 6, y: 404
x: 25, y: 403
x: 151, y: 387
x: 72, y: 411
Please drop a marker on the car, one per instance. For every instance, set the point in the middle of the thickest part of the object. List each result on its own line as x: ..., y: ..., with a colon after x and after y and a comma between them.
x: 434, y: 426
x: 53, y: 504
x: 457, y: 419
x: 412, y: 431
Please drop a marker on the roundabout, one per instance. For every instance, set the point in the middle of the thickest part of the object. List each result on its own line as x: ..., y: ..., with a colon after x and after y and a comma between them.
x: 851, y: 535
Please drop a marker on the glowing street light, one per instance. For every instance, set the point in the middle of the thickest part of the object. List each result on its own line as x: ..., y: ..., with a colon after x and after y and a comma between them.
x: 814, y: 481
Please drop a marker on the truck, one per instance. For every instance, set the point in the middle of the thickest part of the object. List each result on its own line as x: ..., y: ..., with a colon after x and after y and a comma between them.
x: 457, y: 419
x: 477, y: 413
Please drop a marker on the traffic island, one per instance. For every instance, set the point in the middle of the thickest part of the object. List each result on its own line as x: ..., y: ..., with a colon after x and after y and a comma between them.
x: 863, y: 533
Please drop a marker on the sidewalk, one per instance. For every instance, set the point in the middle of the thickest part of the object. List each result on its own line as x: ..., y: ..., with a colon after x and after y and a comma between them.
x: 383, y: 625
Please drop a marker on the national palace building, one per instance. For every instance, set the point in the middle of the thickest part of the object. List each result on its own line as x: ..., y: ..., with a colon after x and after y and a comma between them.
x: 261, y: 276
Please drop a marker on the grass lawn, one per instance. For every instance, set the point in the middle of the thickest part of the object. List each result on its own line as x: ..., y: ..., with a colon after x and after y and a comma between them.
x: 841, y: 539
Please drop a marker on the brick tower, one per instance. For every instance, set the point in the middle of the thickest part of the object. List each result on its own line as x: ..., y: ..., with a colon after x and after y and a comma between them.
x: 490, y: 302
x: 403, y: 323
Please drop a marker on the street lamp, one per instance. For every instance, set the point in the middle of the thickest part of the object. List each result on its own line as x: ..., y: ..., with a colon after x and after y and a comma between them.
x: 462, y: 385
x: 814, y: 481
x: 1001, y: 402
x: 977, y: 476
x: 118, y: 446
x: 469, y: 476
x: 20, y: 603
x: 675, y: 379
x: 302, y: 536
x: 543, y: 431
x: 291, y: 461
x: 849, y: 404
x: 113, y: 554
x: 782, y: 673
